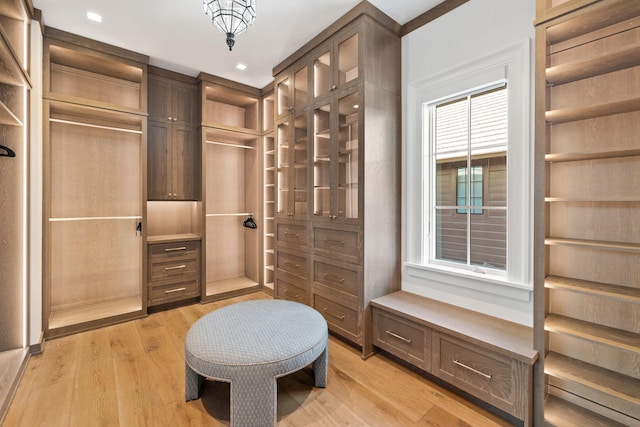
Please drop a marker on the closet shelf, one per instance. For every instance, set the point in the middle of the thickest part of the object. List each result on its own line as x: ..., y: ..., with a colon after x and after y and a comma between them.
x: 230, y: 130
x: 617, y: 338
x: 12, y: 72
x: 594, y: 244
x: 593, y: 377
x: 7, y: 117
x: 622, y: 293
x: 565, y: 115
x: 593, y: 199
x: 594, y: 155
x: 605, y: 63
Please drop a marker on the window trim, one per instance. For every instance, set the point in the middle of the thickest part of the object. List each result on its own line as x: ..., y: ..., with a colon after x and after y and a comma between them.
x: 510, y: 64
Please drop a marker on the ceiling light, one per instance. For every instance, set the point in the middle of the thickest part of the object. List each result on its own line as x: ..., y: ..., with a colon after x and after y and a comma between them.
x: 231, y: 17
x: 94, y: 16
x: 241, y: 67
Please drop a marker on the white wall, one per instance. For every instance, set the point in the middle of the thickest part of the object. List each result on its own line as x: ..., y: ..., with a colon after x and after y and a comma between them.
x: 476, y: 29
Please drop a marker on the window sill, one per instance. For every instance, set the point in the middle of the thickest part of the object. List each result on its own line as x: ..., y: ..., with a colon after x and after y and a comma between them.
x: 469, y: 280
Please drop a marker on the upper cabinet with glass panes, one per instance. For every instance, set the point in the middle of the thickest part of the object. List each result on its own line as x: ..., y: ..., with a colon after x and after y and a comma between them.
x: 336, y: 65
x: 292, y: 92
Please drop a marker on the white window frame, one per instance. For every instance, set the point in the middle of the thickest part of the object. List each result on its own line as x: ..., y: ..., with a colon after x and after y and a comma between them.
x: 511, y: 65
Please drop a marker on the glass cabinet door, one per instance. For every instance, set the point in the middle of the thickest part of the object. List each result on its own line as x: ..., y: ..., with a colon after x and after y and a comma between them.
x: 283, y: 98
x: 322, y: 161
x: 347, y: 140
x: 300, y: 163
x: 300, y: 89
x: 322, y: 75
x: 283, y: 136
x: 348, y: 60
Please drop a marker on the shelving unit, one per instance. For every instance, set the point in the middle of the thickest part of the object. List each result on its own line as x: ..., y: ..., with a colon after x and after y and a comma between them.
x: 231, y: 144
x: 269, y: 179
x: 95, y: 107
x: 589, y: 289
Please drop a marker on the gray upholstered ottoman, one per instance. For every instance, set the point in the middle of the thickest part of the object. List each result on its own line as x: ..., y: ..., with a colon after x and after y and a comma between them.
x: 250, y: 344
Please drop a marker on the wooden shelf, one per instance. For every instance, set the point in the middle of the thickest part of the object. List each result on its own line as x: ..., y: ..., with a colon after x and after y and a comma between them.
x: 618, y: 338
x: 230, y: 285
x: 623, y: 293
x: 7, y: 117
x: 593, y: 155
x: 593, y: 377
x: 605, y: 63
x: 12, y: 72
x: 559, y: 412
x: 594, y: 244
x: 593, y: 199
x: 565, y: 115
x: 91, y: 312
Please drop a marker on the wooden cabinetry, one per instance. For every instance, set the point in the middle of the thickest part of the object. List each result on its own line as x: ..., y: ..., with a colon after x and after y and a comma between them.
x: 173, y: 271
x: 173, y: 155
x: 231, y: 141
x: 337, y: 151
x: 588, y: 157
x: 487, y: 357
x: 95, y: 108
x: 268, y: 182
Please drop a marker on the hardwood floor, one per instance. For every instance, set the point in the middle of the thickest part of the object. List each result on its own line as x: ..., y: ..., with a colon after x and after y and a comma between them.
x: 132, y: 374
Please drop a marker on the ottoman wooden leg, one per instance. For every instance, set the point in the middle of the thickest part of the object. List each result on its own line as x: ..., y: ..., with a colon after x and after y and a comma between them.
x: 192, y: 383
x: 253, y: 402
x: 320, y: 368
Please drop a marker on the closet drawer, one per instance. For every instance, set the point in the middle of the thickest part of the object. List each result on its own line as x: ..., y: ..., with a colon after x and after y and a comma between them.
x: 403, y: 338
x: 174, y: 251
x: 492, y: 377
x: 341, y: 319
x: 343, y: 243
x: 295, y: 264
x: 161, y: 294
x: 338, y: 276
x: 293, y: 236
x: 177, y: 270
x: 291, y: 288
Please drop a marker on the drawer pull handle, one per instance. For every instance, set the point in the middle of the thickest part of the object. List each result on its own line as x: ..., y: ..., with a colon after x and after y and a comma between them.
x: 290, y: 264
x: 400, y: 337
x: 294, y: 295
x: 288, y: 233
x: 181, y: 248
x: 333, y: 278
x: 339, y: 317
x: 177, y: 267
x: 170, y: 291
x: 334, y: 242
x: 475, y: 371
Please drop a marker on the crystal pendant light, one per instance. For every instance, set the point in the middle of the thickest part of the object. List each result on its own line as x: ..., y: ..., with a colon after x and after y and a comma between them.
x: 231, y: 17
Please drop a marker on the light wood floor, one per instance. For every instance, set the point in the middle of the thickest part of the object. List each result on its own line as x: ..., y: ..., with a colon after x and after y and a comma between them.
x: 132, y: 374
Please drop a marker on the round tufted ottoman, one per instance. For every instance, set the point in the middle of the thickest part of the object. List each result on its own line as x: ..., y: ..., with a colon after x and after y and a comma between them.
x: 250, y: 344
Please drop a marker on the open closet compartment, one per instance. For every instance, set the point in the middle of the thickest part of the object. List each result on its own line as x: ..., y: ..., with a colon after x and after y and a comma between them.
x: 231, y: 144
x: 268, y: 184
x: 95, y: 179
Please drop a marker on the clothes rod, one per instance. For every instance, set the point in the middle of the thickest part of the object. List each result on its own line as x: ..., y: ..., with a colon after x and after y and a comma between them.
x: 70, y: 122
x: 230, y: 145
x: 94, y: 218
x: 232, y: 214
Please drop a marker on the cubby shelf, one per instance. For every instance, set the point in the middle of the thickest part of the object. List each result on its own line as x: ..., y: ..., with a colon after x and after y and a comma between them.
x: 623, y: 293
x: 565, y: 115
x: 594, y: 244
x: 594, y: 155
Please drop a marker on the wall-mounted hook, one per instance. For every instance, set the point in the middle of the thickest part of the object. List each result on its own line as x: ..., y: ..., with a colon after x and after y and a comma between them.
x: 8, y: 152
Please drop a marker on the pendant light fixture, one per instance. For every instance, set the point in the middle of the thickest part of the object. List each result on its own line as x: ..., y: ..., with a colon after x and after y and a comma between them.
x: 231, y: 17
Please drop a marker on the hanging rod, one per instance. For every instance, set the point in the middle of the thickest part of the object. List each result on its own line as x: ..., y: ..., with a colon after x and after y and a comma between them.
x: 94, y: 218
x: 230, y: 145
x: 70, y: 122
x: 231, y: 214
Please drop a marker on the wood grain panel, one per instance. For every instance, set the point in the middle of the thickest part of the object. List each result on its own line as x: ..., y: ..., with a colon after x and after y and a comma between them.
x: 225, y: 251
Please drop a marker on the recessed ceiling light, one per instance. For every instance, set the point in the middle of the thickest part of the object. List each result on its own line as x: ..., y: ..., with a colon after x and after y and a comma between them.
x: 94, y: 16
x: 241, y: 67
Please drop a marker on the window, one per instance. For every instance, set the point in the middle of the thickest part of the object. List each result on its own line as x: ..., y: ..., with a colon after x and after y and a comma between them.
x: 467, y: 185
x: 467, y: 133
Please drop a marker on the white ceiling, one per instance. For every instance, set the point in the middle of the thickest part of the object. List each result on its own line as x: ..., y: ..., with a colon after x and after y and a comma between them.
x: 177, y: 35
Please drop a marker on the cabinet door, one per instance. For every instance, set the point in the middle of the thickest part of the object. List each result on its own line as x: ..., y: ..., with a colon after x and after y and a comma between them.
x: 184, y: 163
x: 322, y: 73
x: 346, y: 158
x: 158, y: 160
x: 336, y: 66
x: 159, y: 99
x: 283, y: 169
x: 300, y: 164
x: 283, y: 96
x: 184, y: 104
x: 322, y: 149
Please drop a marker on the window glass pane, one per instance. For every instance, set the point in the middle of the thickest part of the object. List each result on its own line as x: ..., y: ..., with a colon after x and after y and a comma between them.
x: 451, y: 236
x: 489, y: 239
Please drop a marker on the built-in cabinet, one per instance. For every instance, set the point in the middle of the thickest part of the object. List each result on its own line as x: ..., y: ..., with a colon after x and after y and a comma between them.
x: 231, y: 139
x: 173, y: 166
x: 588, y: 157
x: 95, y: 104
x: 337, y: 175
x: 15, y: 140
x: 268, y: 184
